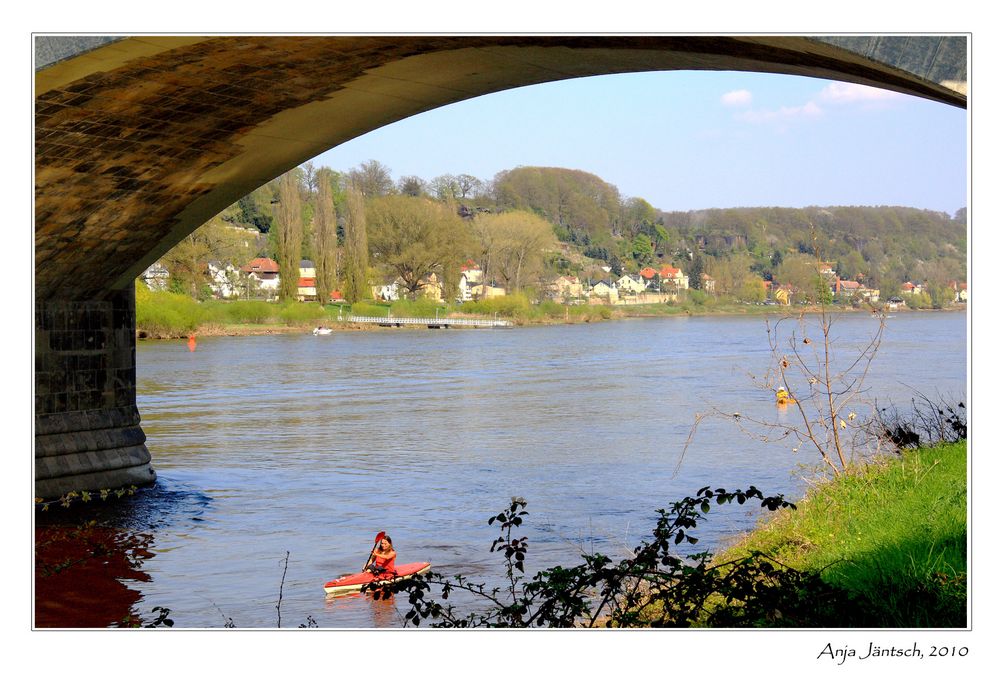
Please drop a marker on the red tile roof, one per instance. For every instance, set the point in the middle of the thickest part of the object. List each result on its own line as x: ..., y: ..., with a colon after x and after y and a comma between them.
x: 648, y: 273
x: 262, y: 264
x: 307, y: 282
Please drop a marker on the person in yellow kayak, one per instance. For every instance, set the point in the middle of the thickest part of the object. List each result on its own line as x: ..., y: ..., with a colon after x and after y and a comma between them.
x: 383, y: 558
x: 782, y: 396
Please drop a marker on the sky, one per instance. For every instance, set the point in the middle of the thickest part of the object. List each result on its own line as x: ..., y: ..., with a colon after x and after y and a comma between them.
x: 689, y: 140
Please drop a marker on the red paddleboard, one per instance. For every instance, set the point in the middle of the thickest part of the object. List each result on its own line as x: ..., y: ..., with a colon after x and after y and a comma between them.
x: 350, y: 584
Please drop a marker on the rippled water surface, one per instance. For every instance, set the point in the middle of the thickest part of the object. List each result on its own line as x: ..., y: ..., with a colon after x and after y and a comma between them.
x: 309, y: 445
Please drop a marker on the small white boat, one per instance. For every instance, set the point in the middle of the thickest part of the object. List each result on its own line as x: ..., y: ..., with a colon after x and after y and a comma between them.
x: 322, y: 330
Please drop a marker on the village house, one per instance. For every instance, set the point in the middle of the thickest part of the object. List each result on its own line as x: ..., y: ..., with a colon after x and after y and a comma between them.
x: 603, y: 291
x: 156, y: 277
x: 869, y: 294
x: 783, y: 294
x: 651, y: 277
x: 488, y: 290
x: 707, y: 283
x: 432, y: 288
x: 910, y: 288
x: 845, y: 288
x: 630, y: 284
x: 854, y: 289
x: 961, y: 290
x: 307, y: 281
x: 672, y: 278
x: 471, y: 277
x: 264, y: 273
x: 389, y: 292
x: 223, y: 280
x: 566, y: 287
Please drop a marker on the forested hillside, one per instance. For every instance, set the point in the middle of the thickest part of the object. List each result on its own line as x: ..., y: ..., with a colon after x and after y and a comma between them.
x: 597, y: 229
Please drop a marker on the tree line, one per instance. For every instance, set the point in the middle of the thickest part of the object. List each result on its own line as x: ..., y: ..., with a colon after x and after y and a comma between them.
x: 362, y: 227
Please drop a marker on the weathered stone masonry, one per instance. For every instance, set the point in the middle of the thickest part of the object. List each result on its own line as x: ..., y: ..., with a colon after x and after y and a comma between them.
x: 87, y: 433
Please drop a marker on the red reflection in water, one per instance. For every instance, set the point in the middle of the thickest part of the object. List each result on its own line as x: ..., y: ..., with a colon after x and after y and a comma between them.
x: 383, y: 612
x: 78, y: 575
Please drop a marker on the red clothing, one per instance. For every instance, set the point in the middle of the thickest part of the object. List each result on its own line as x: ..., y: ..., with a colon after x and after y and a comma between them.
x: 386, y: 564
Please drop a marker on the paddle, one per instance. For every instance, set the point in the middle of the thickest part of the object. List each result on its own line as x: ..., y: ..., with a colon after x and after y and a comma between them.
x: 378, y: 538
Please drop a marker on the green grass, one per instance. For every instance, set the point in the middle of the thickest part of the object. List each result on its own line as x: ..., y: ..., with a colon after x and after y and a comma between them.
x: 893, y: 534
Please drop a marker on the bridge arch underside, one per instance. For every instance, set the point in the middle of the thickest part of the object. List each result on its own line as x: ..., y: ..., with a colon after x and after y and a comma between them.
x: 142, y: 139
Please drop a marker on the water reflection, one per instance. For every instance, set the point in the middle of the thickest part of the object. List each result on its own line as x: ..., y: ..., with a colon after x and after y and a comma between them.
x: 380, y: 613
x: 86, y: 575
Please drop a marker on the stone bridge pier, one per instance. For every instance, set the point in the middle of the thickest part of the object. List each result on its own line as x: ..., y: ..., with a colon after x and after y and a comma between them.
x: 87, y: 434
x: 140, y: 140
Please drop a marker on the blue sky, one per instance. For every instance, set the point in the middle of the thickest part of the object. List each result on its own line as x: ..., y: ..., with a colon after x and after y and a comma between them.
x: 689, y: 140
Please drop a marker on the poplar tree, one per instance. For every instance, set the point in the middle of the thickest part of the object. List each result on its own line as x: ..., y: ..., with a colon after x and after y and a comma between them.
x: 288, y: 220
x: 355, y: 248
x: 325, y: 237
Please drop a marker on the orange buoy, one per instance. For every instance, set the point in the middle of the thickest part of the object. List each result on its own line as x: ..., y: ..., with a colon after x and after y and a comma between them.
x: 192, y: 343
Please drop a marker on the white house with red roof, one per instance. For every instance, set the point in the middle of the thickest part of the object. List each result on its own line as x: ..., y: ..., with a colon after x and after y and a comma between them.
x: 265, y: 271
x: 307, y: 281
x: 672, y: 278
x: 470, y: 281
x: 307, y: 289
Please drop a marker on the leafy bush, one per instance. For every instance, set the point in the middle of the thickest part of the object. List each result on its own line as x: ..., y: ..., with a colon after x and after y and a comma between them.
x: 508, y: 306
x: 165, y: 314
x: 370, y: 310
x: 701, y: 298
x: 925, y: 423
x: 296, y: 312
x: 655, y: 587
x: 422, y: 307
x: 255, y: 312
x: 551, y: 309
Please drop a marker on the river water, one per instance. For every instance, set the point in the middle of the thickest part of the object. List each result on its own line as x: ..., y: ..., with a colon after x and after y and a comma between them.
x: 308, y: 445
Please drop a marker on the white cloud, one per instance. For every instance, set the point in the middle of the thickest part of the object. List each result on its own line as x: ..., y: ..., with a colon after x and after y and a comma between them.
x: 845, y: 92
x: 737, y: 98
x: 808, y: 111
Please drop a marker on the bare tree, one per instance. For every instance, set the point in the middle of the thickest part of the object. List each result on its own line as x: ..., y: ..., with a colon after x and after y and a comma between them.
x: 411, y: 185
x: 512, y: 244
x: 445, y: 187
x: 468, y: 185
x: 827, y: 407
x: 372, y: 179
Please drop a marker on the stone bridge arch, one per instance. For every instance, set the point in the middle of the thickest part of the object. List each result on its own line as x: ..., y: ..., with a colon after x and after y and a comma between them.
x: 140, y: 140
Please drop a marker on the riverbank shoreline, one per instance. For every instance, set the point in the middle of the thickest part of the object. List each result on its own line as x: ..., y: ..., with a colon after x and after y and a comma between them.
x: 857, y: 531
x: 619, y: 313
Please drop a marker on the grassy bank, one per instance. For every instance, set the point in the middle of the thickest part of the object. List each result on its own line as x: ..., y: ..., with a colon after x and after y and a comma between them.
x: 891, y: 534
x: 169, y: 315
